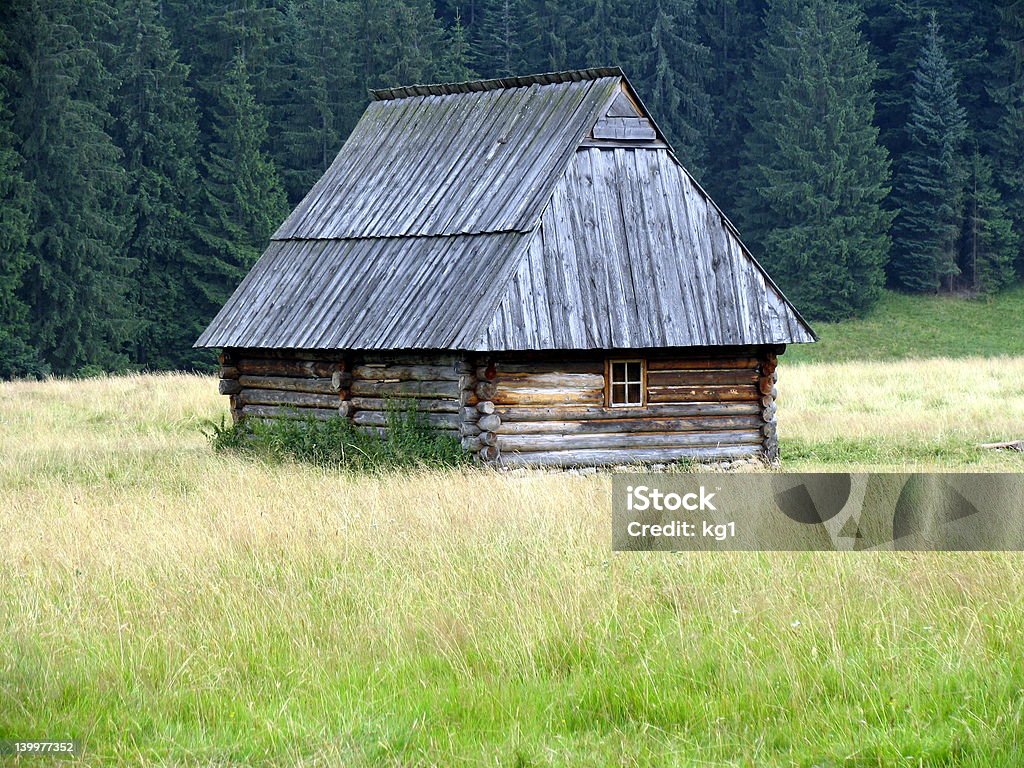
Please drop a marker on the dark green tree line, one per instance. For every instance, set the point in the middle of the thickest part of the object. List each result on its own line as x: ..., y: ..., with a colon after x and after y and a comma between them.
x: 930, y: 187
x: 815, y: 175
x: 148, y: 148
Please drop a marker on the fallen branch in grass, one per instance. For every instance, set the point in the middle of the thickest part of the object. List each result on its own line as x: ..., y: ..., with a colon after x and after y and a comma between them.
x: 1013, y: 445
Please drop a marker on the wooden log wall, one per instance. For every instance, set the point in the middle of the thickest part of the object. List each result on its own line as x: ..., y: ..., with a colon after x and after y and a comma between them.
x: 520, y: 411
x: 549, y: 413
x: 269, y: 384
x: 767, y: 388
x: 434, y: 383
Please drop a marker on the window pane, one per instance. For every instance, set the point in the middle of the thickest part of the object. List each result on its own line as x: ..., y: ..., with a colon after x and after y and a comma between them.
x: 618, y: 372
x: 618, y: 393
x: 633, y: 392
x: 633, y: 372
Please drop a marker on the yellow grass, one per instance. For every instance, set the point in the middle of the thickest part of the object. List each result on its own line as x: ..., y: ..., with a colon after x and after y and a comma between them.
x: 975, y: 399
x: 169, y: 605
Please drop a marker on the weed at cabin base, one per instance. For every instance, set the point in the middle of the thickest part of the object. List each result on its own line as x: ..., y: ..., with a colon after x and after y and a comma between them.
x: 408, y: 442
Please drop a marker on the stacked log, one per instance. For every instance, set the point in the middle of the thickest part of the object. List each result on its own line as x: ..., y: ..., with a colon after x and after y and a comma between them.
x: 432, y: 384
x: 768, y: 389
x: 228, y: 384
x: 702, y: 380
x: 478, y: 411
x: 269, y: 384
x: 520, y: 410
x: 555, y: 414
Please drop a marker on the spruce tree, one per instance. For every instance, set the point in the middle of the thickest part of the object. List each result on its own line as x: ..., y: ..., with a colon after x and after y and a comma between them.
x: 415, y: 46
x: 815, y: 174
x: 76, y: 285
x: 990, y: 244
x: 498, y: 45
x: 930, y: 177
x: 457, y: 66
x: 546, y: 40
x: 242, y: 200
x: 17, y: 357
x: 316, y: 111
x: 1006, y: 143
x: 157, y: 133
x: 726, y: 28
x: 605, y: 27
x: 898, y: 32
x: 669, y: 66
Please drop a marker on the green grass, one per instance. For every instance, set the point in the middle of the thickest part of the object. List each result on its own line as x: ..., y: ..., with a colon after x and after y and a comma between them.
x: 905, y: 327
x: 408, y: 443
x: 169, y: 604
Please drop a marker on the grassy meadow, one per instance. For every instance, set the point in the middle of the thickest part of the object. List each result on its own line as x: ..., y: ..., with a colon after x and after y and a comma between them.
x: 904, y: 327
x: 168, y: 605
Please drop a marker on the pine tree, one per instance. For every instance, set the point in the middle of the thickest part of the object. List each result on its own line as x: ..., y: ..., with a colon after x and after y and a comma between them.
x: 815, y: 173
x: 669, y: 65
x: 930, y: 178
x: 726, y: 28
x: 157, y: 133
x: 77, y: 282
x: 990, y: 244
x: 242, y: 198
x: 498, y: 46
x: 17, y: 357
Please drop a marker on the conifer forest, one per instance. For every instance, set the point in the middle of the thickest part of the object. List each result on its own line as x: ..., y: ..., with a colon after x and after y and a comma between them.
x: 149, y: 148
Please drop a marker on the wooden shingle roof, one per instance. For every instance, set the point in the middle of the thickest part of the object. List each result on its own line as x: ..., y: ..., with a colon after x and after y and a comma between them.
x: 481, y: 216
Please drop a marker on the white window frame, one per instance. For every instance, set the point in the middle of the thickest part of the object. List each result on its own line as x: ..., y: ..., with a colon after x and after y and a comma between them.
x: 626, y: 382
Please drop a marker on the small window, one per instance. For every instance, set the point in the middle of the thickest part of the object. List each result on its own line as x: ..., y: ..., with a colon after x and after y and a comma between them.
x: 625, y: 382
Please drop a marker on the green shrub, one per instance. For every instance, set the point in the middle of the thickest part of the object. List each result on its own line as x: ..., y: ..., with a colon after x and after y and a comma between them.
x: 407, y: 442
x: 18, y: 360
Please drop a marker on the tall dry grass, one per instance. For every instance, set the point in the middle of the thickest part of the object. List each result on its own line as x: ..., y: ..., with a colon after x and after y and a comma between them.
x: 169, y: 605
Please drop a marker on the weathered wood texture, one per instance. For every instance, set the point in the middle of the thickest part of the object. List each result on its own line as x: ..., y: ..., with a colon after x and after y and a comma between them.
x: 454, y: 223
x: 432, y: 384
x: 603, y: 270
x: 698, y: 404
x: 602, y: 457
x: 363, y: 388
x: 702, y: 406
x: 769, y: 375
x: 624, y: 128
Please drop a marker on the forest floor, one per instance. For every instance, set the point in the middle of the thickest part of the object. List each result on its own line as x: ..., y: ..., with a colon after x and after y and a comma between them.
x: 166, y: 604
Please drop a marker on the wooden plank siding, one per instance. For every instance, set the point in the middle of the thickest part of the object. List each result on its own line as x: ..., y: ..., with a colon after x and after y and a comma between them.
x: 631, y: 253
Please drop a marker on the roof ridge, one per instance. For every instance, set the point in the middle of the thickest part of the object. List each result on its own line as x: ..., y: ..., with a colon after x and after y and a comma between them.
x: 405, y: 236
x: 493, y: 84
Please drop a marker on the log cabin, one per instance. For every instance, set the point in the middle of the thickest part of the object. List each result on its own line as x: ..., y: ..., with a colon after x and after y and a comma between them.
x: 528, y: 262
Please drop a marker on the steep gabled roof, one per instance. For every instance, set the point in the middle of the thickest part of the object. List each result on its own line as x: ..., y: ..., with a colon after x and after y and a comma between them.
x: 544, y: 212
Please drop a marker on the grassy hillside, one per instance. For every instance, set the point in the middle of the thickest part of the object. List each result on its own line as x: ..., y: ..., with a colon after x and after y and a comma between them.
x: 169, y: 605
x: 903, y: 327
